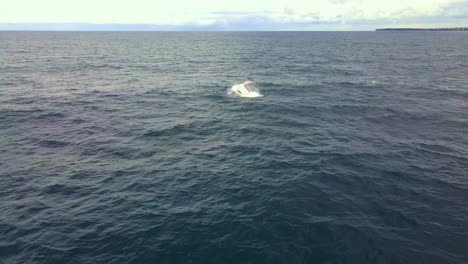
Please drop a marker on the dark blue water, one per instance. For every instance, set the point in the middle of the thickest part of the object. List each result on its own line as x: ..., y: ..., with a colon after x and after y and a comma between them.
x: 125, y: 148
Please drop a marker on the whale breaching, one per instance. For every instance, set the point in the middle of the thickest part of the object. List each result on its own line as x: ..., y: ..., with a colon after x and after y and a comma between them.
x: 245, y: 89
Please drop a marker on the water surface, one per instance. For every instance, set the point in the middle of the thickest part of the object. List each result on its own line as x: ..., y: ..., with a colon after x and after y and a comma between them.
x: 125, y: 148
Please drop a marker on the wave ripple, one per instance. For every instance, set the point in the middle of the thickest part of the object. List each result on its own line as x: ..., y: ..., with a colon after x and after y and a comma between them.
x: 126, y: 148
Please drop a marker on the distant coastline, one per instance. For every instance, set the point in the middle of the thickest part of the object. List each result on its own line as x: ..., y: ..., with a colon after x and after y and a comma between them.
x: 423, y: 29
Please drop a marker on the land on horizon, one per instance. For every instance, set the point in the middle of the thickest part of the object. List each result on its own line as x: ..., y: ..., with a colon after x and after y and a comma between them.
x: 424, y: 29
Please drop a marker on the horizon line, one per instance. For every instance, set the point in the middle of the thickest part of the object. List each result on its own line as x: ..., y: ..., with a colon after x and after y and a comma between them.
x: 147, y: 27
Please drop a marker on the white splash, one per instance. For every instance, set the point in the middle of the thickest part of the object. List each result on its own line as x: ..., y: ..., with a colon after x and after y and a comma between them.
x: 245, y: 89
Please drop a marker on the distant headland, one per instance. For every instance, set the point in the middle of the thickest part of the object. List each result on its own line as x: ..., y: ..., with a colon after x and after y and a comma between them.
x: 423, y: 29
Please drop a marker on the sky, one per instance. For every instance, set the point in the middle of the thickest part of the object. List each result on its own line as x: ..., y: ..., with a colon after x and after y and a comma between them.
x: 230, y: 14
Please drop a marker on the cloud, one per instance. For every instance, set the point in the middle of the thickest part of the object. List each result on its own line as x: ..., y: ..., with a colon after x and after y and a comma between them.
x: 351, y: 12
x: 358, y: 10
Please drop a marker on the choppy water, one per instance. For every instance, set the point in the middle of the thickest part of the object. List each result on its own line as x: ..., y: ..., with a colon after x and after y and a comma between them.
x: 125, y: 148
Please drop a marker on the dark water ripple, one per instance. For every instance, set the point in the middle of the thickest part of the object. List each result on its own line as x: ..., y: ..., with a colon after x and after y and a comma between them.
x: 124, y: 148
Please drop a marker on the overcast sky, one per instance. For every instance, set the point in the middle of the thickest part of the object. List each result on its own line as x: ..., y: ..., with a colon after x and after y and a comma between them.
x: 231, y: 14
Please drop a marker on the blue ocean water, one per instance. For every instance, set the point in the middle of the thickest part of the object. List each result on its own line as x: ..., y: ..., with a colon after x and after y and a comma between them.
x: 125, y: 148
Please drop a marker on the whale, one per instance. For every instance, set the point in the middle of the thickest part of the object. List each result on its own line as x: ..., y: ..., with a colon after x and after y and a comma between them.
x: 245, y: 89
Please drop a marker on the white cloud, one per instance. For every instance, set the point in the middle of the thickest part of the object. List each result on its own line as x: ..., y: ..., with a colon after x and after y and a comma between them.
x: 332, y: 10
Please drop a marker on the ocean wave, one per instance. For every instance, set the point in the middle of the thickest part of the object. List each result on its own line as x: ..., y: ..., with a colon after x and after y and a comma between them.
x: 356, y: 154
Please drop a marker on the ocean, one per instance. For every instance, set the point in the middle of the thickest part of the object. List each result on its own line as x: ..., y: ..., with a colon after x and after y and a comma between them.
x: 124, y: 147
